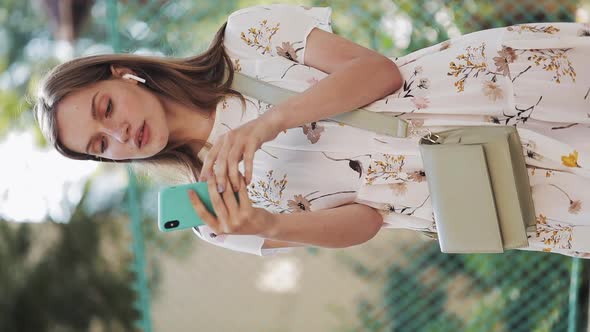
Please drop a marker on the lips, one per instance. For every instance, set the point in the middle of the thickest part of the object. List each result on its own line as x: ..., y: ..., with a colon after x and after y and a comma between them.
x: 145, y: 139
x: 140, y: 136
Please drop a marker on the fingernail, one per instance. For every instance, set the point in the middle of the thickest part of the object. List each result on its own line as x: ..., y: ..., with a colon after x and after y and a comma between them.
x: 219, y: 188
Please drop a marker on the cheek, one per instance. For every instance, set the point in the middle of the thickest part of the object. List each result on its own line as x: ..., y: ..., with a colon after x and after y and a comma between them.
x: 158, y: 123
x: 128, y: 108
x: 160, y: 139
x: 132, y: 104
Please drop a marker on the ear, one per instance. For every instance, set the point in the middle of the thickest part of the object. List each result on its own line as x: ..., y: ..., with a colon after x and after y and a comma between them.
x: 119, y: 71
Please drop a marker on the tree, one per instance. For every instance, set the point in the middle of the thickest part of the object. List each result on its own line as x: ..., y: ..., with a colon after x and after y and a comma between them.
x: 80, y: 278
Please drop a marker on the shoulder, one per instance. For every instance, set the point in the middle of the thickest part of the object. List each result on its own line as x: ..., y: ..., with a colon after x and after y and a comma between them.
x: 273, y: 30
x: 284, y: 14
x: 279, y: 8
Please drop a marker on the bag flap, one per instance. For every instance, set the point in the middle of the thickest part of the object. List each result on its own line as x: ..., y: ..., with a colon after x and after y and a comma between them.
x: 462, y: 198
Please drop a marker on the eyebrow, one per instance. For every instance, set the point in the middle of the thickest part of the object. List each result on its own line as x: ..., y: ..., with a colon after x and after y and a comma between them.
x: 93, y: 114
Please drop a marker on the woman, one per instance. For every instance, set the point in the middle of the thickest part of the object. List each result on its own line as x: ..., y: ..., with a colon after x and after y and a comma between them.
x: 307, y: 181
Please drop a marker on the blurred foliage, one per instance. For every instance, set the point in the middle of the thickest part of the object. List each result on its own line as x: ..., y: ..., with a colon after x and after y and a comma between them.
x: 179, y: 28
x: 20, y: 22
x: 68, y: 276
x: 431, y: 291
x: 77, y: 278
x: 477, y: 15
x: 20, y: 25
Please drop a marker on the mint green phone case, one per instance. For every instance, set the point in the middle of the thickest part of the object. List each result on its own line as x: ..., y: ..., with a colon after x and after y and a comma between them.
x: 175, y: 210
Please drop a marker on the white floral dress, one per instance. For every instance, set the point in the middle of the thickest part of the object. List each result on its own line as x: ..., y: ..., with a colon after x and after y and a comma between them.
x: 533, y: 76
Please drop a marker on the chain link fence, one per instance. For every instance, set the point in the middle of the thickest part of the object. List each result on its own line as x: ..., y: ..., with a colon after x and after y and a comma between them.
x: 419, y: 288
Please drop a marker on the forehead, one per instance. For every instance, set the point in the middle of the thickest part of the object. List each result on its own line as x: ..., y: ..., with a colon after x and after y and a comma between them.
x: 73, y: 117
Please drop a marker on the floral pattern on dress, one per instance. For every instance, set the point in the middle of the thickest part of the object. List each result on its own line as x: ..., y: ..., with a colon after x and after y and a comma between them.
x: 552, y: 60
x: 570, y: 160
x: 354, y: 164
x: 313, y: 131
x: 387, y: 168
x: 492, y: 90
x: 288, y: 51
x: 505, y: 56
x: 555, y: 235
x: 549, y: 29
x: 390, y: 208
x: 268, y: 193
x: 236, y: 65
x: 260, y: 38
x: 407, y: 90
x: 472, y: 63
x: 521, y: 116
x: 574, y: 205
x: 301, y: 203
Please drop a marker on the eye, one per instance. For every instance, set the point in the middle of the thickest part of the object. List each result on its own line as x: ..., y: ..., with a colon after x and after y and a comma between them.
x: 109, y: 110
x: 103, y: 144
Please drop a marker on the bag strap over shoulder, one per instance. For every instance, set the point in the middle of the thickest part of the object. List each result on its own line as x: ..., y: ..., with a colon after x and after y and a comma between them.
x: 360, y: 118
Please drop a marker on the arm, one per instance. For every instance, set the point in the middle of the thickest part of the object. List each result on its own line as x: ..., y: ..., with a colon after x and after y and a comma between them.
x: 271, y: 244
x: 338, y: 227
x: 357, y: 76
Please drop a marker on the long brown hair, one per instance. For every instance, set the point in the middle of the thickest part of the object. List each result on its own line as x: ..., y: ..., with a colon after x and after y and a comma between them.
x: 195, y: 81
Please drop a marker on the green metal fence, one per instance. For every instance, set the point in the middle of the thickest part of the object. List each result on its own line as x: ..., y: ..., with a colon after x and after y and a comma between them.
x: 421, y: 288
x: 426, y: 290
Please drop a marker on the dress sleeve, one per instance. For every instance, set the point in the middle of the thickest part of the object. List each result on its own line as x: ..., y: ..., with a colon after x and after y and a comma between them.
x: 274, y: 30
x: 244, y: 243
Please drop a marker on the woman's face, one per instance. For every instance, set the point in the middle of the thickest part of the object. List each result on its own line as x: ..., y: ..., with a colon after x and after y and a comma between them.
x: 115, y: 119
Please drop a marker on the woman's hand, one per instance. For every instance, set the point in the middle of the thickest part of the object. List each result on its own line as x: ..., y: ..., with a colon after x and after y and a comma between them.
x: 240, y: 143
x: 233, y: 217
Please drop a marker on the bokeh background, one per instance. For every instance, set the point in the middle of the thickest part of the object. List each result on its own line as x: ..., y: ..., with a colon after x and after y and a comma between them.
x: 80, y: 249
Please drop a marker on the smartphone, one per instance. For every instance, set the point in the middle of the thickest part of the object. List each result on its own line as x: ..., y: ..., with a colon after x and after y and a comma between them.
x: 175, y: 210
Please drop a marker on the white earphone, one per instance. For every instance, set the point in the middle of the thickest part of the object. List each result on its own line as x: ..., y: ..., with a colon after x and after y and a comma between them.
x: 133, y: 77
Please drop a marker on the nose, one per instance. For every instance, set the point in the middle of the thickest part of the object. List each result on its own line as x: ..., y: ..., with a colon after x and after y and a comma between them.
x: 119, y: 132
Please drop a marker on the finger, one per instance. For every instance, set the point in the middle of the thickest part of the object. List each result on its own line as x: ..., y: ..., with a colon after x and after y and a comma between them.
x: 206, y: 168
x: 202, y: 211
x: 221, y: 166
x: 204, y: 175
x: 229, y: 198
x: 210, y: 157
x: 234, y: 159
x: 249, y: 162
x: 243, y: 194
x: 218, y: 204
